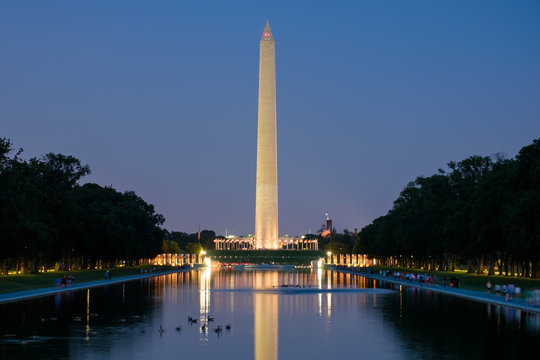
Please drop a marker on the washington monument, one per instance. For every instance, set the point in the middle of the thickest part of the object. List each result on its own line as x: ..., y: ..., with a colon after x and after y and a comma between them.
x: 266, y: 199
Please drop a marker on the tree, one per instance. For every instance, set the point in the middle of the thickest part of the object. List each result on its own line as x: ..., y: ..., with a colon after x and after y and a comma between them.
x: 483, y: 211
x: 47, y: 218
x: 207, y: 239
x: 170, y: 247
x: 193, y: 248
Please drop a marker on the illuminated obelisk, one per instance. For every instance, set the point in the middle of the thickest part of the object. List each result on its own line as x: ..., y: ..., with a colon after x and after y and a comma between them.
x: 266, y: 200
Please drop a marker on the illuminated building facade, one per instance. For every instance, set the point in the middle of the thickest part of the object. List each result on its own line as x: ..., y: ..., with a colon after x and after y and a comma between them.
x: 249, y: 243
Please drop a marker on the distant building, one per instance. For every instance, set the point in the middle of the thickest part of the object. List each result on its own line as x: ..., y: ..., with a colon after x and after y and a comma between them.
x: 327, y: 229
x: 248, y: 243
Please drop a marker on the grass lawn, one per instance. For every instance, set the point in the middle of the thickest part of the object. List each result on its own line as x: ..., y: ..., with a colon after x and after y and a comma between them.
x: 470, y: 281
x: 12, y: 283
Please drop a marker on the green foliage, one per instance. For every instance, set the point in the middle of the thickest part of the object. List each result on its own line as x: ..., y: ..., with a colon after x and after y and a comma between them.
x: 182, y: 238
x: 484, y: 211
x: 193, y: 248
x: 338, y: 247
x: 170, y: 247
x: 338, y: 243
x: 207, y: 239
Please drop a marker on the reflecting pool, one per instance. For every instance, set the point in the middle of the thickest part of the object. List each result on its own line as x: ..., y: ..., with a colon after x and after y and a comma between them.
x: 319, y: 314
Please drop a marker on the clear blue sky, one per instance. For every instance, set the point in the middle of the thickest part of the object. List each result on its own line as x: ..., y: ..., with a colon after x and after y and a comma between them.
x: 160, y: 97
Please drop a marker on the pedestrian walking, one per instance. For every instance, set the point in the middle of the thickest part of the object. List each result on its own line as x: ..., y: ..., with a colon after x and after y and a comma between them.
x: 511, y: 288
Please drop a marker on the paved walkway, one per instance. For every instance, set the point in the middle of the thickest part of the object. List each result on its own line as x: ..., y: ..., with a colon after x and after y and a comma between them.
x: 494, y: 299
x: 29, y: 294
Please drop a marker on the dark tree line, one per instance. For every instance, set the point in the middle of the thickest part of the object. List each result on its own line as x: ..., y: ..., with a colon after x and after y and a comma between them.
x: 337, y: 243
x: 189, y: 243
x: 482, y: 212
x: 48, y: 220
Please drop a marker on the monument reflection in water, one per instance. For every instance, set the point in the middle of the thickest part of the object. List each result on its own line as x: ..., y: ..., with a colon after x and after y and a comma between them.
x: 265, y: 303
x: 266, y: 318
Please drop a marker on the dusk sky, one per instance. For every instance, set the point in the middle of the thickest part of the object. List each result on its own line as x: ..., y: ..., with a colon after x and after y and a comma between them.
x: 160, y: 97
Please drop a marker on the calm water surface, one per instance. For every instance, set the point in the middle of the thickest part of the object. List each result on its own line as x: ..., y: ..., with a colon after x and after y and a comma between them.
x: 122, y: 321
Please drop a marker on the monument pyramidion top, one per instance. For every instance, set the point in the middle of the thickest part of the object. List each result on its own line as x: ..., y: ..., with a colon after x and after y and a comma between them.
x: 267, y: 33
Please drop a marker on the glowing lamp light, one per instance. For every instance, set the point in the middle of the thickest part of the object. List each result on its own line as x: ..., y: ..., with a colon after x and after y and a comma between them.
x: 329, y: 253
x: 203, y: 252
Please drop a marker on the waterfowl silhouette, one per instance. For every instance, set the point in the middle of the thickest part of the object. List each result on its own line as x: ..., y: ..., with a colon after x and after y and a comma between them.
x: 228, y: 326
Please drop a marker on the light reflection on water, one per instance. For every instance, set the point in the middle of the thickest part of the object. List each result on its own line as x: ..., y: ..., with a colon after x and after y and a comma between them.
x: 122, y: 321
x: 265, y: 309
